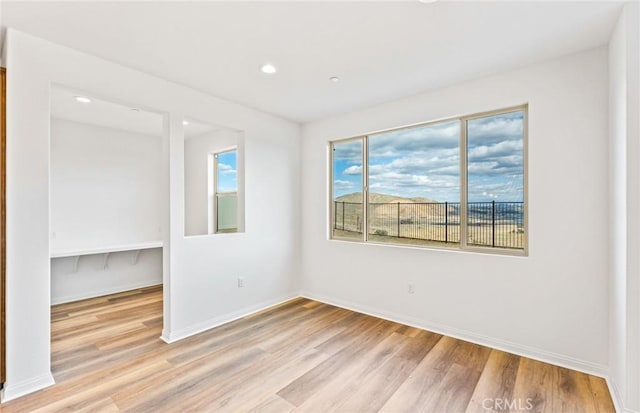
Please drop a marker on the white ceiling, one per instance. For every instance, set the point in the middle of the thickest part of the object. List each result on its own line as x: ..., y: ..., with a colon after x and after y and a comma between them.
x: 115, y: 116
x: 102, y: 113
x: 380, y: 50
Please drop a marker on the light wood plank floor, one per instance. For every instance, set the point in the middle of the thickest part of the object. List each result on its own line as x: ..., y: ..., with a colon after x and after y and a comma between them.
x: 300, y: 356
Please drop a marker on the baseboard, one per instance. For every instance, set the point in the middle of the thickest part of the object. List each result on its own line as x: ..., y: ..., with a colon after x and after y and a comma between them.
x: 106, y: 291
x: 13, y: 391
x: 173, y: 336
x: 503, y: 345
x: 616, y: 396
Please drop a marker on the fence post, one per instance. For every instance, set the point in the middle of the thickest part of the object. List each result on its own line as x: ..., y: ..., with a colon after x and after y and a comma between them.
x: 398, y: 219
x: 335, y: 214
x: 493, y: 223
x: 343, y: 215
x: 446, y: 222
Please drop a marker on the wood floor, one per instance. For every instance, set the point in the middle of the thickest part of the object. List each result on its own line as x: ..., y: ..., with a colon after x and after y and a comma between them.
x: 300, y: 356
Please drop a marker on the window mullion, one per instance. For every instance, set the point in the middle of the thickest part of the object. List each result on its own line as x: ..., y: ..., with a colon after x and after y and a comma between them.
x: 332, y: 202
x: 463, y: 184
x: 365, y: 188
x: 214, y: 213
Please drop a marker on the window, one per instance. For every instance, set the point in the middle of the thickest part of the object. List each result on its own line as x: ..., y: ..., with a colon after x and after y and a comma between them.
x: 348, y: 210
x: 495, y: 180
x: 458, y: 183
x: 225, y: 192
x: 213, y: 179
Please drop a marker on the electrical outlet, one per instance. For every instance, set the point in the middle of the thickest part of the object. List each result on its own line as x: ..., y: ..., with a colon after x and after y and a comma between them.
x: 411, y: 288
x: 240, y: 282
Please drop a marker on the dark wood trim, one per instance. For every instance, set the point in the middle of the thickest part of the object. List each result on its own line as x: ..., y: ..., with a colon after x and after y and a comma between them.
x: 3, y: 215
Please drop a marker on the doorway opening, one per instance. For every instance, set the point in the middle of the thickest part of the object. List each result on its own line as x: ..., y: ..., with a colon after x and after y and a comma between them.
x: 107, y: 199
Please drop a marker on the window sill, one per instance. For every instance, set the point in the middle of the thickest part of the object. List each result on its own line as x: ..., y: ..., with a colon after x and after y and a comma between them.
x: 452, y: 248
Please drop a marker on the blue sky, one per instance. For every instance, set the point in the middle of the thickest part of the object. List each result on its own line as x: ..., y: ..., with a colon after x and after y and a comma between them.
x: 227, y: 172
x: 424, y: 161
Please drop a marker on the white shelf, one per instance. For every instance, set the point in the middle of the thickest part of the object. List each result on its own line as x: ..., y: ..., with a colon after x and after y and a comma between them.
x: 73, y: 252
x: 78, y: 252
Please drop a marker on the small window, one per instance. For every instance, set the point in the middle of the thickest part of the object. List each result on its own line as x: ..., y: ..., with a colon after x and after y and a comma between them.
x: 225, y: 192
x: 458, y: 183
x: 213, y: 179
x: 348, y: 202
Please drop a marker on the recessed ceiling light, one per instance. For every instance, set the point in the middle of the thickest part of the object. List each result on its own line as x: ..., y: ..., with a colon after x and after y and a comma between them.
x: 185, y: 122
x: 268, y: 68
x: 82, y: 99
x: 334, y: 79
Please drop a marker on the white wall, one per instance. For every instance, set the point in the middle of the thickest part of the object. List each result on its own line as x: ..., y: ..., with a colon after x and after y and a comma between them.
x: 199, y: 272
x: 105, y: 191
x: 196, y: 177
x: 105, y: 186
x: 552, y: 304
x: 624, y: 176
x: 90, y: 279
x: 618, y: 209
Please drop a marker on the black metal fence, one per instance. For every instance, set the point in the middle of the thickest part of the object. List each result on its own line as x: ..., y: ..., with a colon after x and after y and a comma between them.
x: 496, y: 224
x: 493, y: 224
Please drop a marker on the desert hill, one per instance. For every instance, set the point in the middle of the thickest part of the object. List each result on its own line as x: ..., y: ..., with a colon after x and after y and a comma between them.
x: 376, y: 198
x: 382, y: 206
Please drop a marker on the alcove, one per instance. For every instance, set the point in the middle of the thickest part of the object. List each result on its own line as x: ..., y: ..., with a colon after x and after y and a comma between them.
x: 105, y: 191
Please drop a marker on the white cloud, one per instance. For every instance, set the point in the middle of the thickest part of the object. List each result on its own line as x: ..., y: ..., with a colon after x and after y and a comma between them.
x: 416, y: 140
x: 490, y: 189
x: 348, y: 151
x: 353, y: 170
x: 497, y: 150
x: 226, y: 169
x: 493, y: 129
x: 343, y: 185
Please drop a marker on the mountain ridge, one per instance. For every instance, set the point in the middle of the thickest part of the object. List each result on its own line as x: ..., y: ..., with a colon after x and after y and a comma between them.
x: 377, y: 198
